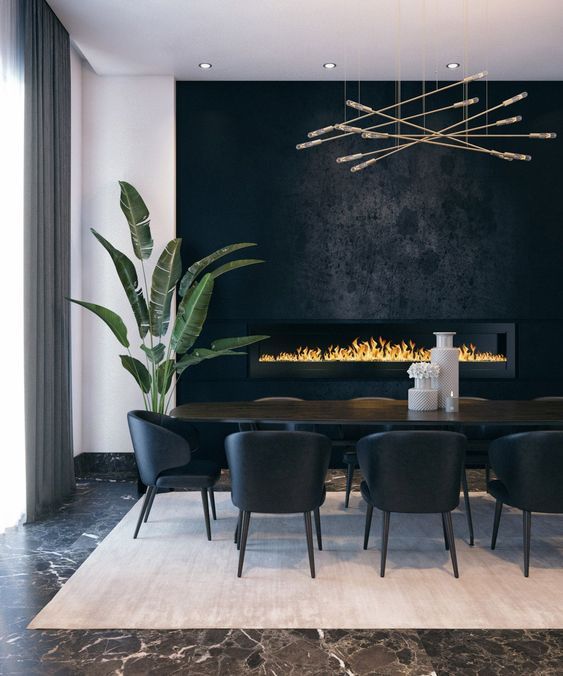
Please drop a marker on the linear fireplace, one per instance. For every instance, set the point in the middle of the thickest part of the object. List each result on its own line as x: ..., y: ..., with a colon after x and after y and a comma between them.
x: 372, y: 350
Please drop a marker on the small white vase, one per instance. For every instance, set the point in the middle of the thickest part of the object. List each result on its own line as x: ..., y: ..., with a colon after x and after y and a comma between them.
x: 422, y: 397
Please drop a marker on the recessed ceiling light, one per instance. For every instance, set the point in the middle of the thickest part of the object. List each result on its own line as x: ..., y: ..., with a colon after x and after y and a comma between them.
x: 328, y: 66
x: 205, y: 66
x: 452, y: 65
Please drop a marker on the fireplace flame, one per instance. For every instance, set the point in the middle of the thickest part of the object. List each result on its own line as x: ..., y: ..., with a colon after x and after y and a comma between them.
x: 380, y: 350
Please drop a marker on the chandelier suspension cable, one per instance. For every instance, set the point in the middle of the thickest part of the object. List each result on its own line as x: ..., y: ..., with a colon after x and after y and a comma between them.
x: 424, y: 46
x: 455, y: 135
x: 359, y: 60
x: 487, y: 50
x: 326, y: 130
x: 465, y: 54
x: 399, y: 64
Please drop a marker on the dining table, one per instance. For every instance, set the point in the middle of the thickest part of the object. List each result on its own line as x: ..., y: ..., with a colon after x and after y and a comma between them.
x: 512, y: 413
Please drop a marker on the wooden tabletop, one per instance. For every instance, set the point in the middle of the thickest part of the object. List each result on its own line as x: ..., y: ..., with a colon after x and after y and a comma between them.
x: 347, y: 412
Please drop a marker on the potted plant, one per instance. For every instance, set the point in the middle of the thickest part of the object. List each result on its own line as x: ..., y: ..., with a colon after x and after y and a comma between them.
x: 165, y: 355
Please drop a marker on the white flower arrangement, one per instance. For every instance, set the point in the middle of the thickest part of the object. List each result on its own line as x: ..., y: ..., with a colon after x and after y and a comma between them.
x: 423, y: 369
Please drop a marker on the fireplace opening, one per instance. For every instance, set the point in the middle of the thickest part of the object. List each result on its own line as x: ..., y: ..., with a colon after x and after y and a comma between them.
x: 377, y: 349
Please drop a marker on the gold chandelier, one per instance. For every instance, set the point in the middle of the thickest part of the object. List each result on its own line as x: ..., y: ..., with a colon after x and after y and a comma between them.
x: 449, y: 137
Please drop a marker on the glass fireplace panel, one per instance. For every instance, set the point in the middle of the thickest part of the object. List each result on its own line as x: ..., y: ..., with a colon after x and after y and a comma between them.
x: 374, y: 350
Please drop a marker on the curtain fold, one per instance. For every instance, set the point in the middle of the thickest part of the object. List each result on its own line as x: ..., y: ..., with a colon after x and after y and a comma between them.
x: 49, y: 457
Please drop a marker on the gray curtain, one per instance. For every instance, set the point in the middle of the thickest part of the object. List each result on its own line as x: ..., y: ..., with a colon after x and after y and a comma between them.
x: 49, y: 457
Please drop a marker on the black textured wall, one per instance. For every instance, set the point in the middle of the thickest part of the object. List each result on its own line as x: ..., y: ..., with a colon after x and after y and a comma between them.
x: 428, y: 233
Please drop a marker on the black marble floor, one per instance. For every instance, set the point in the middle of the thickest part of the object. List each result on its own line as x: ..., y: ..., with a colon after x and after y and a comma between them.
x: 36, y: 560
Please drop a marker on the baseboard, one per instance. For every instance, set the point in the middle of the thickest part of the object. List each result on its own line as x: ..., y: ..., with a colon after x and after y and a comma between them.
x: 117, y: 466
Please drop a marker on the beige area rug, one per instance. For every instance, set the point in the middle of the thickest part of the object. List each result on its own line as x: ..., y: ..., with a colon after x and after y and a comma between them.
x: 172, y: 577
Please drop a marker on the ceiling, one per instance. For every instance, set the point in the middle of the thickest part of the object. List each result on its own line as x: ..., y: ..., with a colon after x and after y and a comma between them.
x: 291, y: 39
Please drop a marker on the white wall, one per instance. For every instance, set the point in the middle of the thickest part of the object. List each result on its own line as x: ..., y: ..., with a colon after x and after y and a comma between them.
x: 128, y: 133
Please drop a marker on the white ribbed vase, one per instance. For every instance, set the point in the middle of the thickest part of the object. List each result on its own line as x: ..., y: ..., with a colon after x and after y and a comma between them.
x: 447, y: 358
x: 422, y: 397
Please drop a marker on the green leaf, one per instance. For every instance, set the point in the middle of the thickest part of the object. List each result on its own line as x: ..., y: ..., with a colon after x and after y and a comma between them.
x: 128, y: 276
x: 155, y: 354
x: 233, y: 265
x: 165, y: 276
x: 164, y: 374
x: 137, y: 216
x: 195, y: 269
x: 233, y: 343
x: 138, y: 370
x: 112, y: 319
x: 191, y: 315
x: 201, y: 354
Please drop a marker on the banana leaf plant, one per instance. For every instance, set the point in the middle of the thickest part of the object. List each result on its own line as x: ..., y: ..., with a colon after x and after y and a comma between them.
x: 165, y: 357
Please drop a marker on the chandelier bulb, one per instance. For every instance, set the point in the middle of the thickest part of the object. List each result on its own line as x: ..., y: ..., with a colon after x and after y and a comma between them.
x: 509, y: 120
x: 359, y: 106
x: 320, y: 132
x: 518, y: 156
x: 515, y: 99
x: 467, y: 102
x: 349, y: 158
x: 375, y: 134
x: 363, y: 165
x: 477, y: 76
x: 348, y: 128
x: 309, y: 144
x: 544, y: 135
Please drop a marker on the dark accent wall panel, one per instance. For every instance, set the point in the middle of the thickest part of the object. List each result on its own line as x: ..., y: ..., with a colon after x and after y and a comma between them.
x: 429, y: 233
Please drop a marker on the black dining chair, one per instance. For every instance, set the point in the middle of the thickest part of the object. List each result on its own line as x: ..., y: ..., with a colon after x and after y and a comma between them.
x: 278, y: 472
x: 164, y: 458
x: 412, y: 472
x: 529, y: 470
x: 351, y: 434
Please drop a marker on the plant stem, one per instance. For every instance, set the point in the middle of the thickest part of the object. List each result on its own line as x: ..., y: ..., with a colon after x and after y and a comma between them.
x: 139, y: 380
x: 153, y: 391
x: 171, y: 393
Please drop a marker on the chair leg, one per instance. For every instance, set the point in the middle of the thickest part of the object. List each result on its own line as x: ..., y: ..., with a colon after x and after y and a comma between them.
x: 445, y: 532
x: 496, y: 522
x: 309, y: 534
x: 206, y: 512
x: 317, y: 514
x: 467, y: 507
x: 384, y: 541
x: 143, y: 509
x: 369, y: 514
x: 527, y: 518
x: 242, y: 540
x: 451, y: 541
x: 212, y: 501
x: 349, y: 478
x: 151, y: 500
x: 237, y: 529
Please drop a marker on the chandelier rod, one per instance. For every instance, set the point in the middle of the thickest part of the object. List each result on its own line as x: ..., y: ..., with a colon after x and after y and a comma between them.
x: 433, y: 134
x: 309, y: 144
